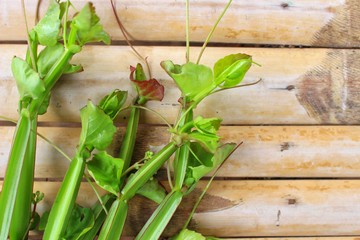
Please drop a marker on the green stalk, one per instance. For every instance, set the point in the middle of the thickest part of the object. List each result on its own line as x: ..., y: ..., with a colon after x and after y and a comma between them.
x: 13, y: 172
x: 147, y: 171
x: 65, y: 200
x: 127, y: 146
x: 22, y: 210
x: 114, y: 223
x: 161, y: 217
x: 181, y: 157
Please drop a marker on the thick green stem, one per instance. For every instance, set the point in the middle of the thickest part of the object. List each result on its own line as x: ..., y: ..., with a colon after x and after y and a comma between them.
x: 127, y: 146
x: 114, y: 223
x: 161, y: 217
x: 51, y: 78
x: 181, y: 157
x: 147, y: 171
x: 22, y: 210
x: 13, y: 172
x: 65, y: 200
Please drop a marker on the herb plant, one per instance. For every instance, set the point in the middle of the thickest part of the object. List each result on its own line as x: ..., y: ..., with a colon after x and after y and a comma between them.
x: 35, y: 77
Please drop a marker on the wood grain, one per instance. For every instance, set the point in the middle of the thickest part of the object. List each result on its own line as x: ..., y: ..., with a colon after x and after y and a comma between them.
x: 269, y: 151
x: 300, y: 86
x: 315, y: 23
x: 254, y: 208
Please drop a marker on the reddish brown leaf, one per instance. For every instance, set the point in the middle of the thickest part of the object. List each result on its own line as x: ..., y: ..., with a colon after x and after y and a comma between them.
x: 148, y: 89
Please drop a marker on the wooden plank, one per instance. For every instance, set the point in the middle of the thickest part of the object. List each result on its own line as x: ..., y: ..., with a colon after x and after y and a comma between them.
x: 300, y: 86
x: 308, y: 22
x: 255, y: 208
x: 277, y: 151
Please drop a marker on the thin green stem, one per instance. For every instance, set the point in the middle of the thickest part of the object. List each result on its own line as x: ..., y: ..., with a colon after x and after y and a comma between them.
x: 96, y: 193
x: 129, y: 169
x: 187, y: 32
x: 154, y: 112
x: 212, y: 31
x: 65, y: 23
x: 168, y: 173
x: 239, y: 86
x: 28, y: 36
x: 8, y: 119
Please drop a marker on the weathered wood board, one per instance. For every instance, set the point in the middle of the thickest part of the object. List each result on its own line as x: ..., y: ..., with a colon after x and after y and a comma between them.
x: 331, y: 23
x: 253, y: 208
x: 270, y: 151
x: 300, y: 86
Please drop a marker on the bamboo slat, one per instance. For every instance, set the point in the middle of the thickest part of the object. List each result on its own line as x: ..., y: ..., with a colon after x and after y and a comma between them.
x: 254, y: 208
x: 300, y: 86
x: 276, y: 151
x: 316, y: 23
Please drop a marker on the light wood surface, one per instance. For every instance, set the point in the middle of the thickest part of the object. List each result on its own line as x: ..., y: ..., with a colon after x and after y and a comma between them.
x: 272, y: 151
x: 331, y: 23
x: 300, y: 86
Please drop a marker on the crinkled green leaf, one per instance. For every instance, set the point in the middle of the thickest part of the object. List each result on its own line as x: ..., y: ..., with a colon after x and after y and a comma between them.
x: 230, y: 70
x: 205, y: 132
x: 153, y: 191
x: 112, y: 103
x: 38, y: 197
x: 28, y: 81
x: 97, y: 127
x: 147, y: 89
x: 106, y: 170
x: 48, y: 27
x: 201, y: 162
x: 88, y: 26
x: 48, y: 57
x: 81, y: 221
x: 43, y: 221
x: 187, y: 234
x: 191, y: 78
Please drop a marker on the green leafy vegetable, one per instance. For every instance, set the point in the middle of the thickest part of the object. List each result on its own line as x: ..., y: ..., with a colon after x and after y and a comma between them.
x: 27, y: 80
x: 230, y: 70
x: 153, y: 191
x: 106, y: 170
x: 191, y: 78
x: 97, y: 128
x: 81, y: 221
x: 201, y: 162
x: 112, y: 103
x: 48, y: 57
x: 48, y: 28
x: 88, y: 27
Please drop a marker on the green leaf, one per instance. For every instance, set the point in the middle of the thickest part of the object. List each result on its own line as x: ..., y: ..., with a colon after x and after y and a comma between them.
x: 187, y: 234
x: 97, y: 128
x: 139, y: 72
x: 112, y: 103
x: 81, y: 221
x: 202, y: 162
x: 34, y: 222
x: 28, y: 81
x: 38, y: 197
x: 192, y: 79
x: 153, y: 191
x: 88, y: 27
x: 205, y: 132
x: 48, y: 57
x: 48, y: 27
x: 106, y: 170
x: 230, y: 70
x: 43, y: 221
x: 72, y: 68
